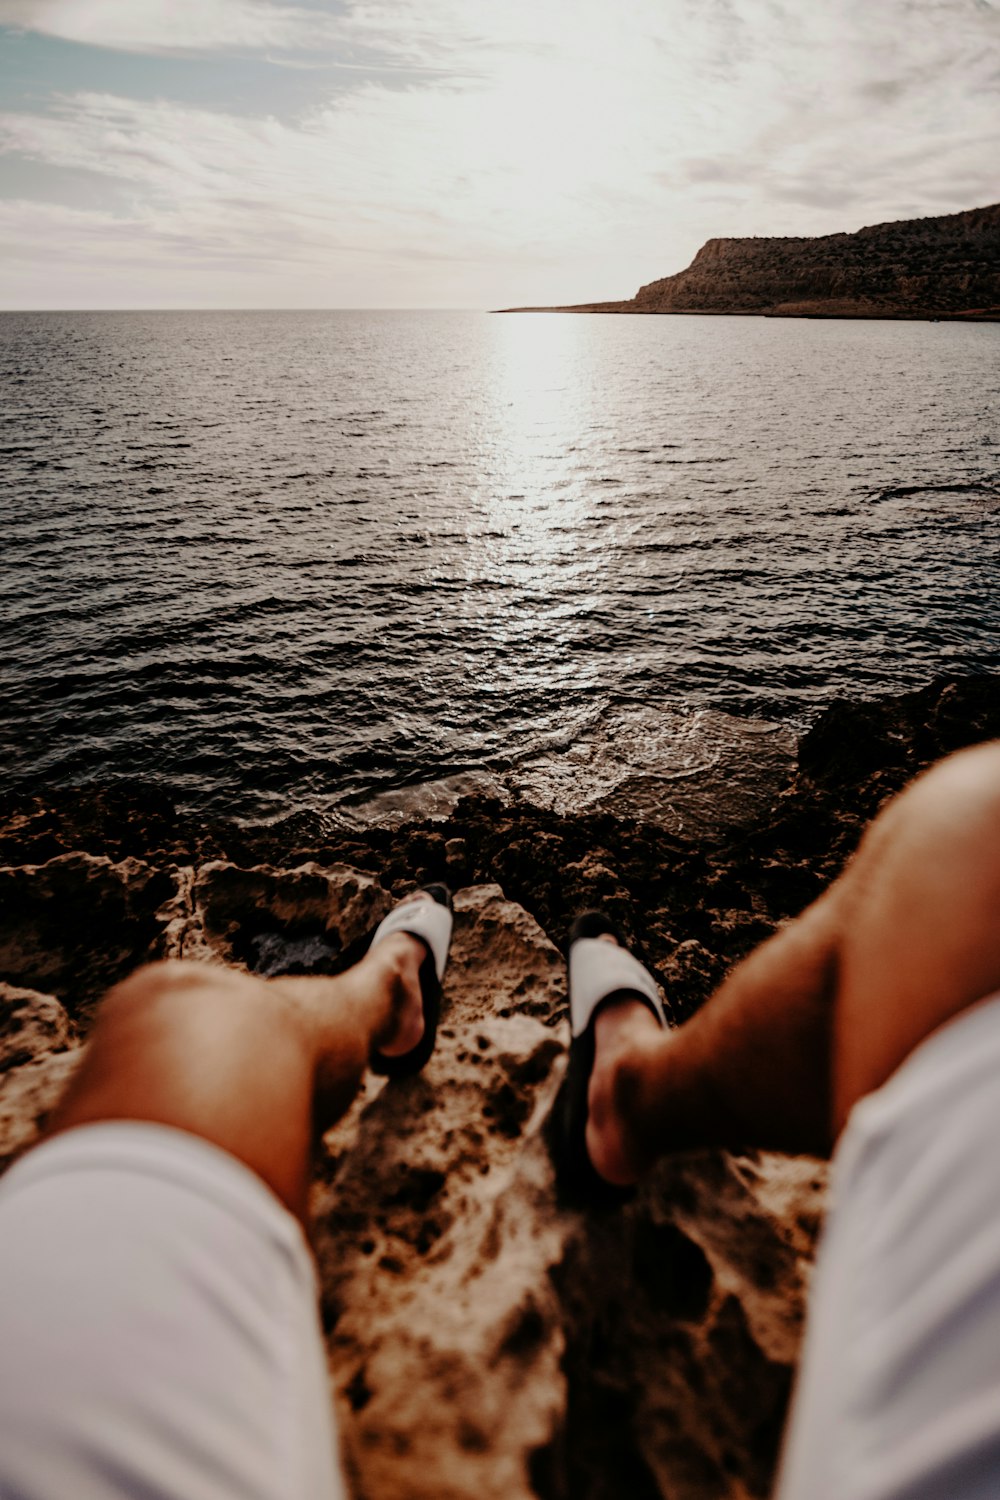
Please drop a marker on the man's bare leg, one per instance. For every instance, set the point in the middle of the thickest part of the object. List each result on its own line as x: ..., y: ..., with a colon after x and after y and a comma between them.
x: 251, y: 1065
x: 824, y: 1012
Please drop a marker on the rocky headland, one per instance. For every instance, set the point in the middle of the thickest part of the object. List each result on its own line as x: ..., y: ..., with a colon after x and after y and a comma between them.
x: 484, y: 1339
x: 946, y: 267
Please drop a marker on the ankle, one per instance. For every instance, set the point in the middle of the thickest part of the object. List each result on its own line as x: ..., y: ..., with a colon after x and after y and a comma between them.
x: 628, y: 1079
x: 398, y: 958
x: 615, y: 1140
x: 635, y: 1096
x: 400, y: 1011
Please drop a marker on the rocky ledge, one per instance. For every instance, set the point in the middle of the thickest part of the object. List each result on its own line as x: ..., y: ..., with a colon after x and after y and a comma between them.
x: 483, y: 1339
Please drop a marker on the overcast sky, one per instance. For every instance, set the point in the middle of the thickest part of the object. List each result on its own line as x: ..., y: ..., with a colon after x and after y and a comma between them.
x: 466, y: 153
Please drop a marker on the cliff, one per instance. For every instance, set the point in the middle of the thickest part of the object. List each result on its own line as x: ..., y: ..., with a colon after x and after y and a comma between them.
x: 946, y: 267
x: 483, y: 1339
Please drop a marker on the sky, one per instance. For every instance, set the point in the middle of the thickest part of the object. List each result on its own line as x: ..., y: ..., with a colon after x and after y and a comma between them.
x: 466, y: 153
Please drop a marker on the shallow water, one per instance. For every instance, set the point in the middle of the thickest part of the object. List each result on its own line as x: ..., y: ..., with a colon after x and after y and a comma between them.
x: 359, y: 562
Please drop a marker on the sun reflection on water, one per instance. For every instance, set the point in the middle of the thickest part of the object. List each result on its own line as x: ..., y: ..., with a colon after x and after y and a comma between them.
x: 531, y: 517
x: 543, y: 414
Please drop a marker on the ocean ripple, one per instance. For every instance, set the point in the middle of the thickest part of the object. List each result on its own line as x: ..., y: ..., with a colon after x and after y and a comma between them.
x: 363, y: 562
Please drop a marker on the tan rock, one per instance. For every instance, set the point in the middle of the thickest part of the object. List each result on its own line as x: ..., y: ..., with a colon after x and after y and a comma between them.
x: 31, y: 1026
x: 484, y: 1342
x: 38, y: 1052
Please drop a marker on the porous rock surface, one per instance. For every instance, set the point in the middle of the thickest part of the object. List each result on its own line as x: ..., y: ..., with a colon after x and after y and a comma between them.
x: 489, y: 1342
x: 39, y: 1048
x: 484, y: 1339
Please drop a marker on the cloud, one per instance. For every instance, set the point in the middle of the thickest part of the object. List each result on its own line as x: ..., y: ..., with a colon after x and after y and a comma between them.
x: 563, y: 151
x: 881, y: 90
x: 708, y: 169
x: 170, y: 26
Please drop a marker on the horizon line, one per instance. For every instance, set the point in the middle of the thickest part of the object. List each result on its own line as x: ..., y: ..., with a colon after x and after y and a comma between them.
x: 213, y: 308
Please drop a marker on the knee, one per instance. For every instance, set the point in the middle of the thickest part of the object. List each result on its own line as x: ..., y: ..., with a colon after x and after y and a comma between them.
x: 947, y: 817
x: 163, y: 981
x: 922, y: 895
x: 924, y: 890
x: 919, y: 934
x: 968, y: 778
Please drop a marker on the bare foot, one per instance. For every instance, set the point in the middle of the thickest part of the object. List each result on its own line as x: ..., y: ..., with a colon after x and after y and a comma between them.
x: 621, y: 1029
x: 407, y: 954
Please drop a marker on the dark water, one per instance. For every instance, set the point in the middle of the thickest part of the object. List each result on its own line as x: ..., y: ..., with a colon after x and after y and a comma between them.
x: 358, y: 562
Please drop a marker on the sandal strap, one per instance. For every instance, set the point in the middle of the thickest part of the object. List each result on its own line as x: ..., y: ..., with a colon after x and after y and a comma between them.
x: 598, y: 969
x: 424, y: 918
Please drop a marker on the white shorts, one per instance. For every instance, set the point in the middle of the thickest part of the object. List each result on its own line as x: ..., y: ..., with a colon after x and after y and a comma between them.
x: 158, y: 1327
x: 898, y: 1395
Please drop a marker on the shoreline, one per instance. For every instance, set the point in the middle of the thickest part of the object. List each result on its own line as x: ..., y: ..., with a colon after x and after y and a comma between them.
x: 814, y: 315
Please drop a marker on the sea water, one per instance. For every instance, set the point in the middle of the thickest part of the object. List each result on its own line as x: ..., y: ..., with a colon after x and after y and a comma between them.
x: 361, y: 562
